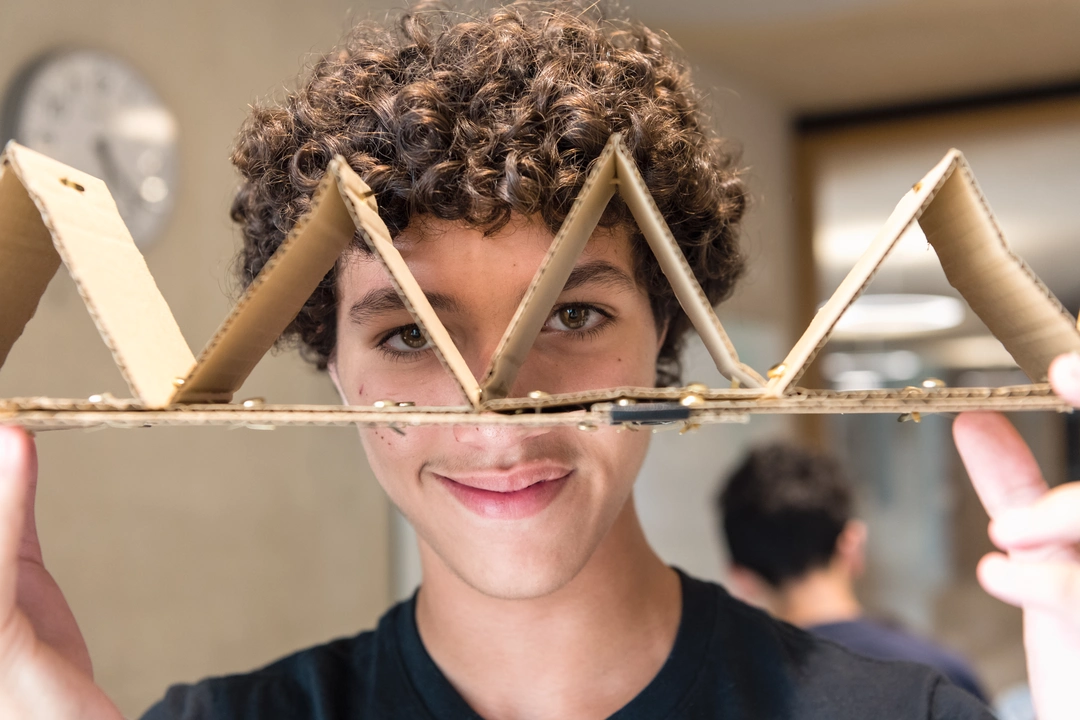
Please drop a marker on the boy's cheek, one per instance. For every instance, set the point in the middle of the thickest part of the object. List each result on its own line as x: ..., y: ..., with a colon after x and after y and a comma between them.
x: 394, y: 458
x: 428, y: 386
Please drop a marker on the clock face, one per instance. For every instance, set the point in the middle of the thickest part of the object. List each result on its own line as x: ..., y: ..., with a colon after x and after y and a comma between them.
x: 94, y: 112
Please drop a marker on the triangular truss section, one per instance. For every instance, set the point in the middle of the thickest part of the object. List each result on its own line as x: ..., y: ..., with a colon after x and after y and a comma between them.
x: 614, y: 171
x: 342, y: 206
x: 51, y: 214
x: 999, y: 287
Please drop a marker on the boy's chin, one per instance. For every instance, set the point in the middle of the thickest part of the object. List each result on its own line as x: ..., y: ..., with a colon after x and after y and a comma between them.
x: 518, y: 576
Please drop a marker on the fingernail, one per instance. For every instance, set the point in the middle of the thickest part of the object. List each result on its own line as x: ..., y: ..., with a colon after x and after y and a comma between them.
x: 7, y: 443
x: 993, y: 571
x: 1071, y: 362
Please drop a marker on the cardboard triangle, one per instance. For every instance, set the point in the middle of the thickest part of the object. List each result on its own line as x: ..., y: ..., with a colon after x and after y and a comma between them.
x: 51, y: 213
x: 614, y: 170
x: 342, y: 206
x: 377, y: 236
x: 998, y: 286
x: 273, y: 298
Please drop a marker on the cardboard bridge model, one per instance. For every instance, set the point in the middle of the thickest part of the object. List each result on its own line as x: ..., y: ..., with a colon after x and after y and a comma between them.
x: 52, y: 214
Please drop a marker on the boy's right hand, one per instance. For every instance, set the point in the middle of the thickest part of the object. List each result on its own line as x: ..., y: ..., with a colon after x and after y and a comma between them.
x: 44, y: 665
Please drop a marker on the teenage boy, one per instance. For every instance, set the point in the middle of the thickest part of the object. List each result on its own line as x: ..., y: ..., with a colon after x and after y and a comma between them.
x: 541, y: 597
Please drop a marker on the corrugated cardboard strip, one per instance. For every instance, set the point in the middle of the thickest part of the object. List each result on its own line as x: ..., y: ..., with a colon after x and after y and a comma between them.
x: 51, y: 214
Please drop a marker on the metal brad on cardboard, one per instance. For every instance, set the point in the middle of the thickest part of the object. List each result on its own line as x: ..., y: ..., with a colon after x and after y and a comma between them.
x: 51, y: 214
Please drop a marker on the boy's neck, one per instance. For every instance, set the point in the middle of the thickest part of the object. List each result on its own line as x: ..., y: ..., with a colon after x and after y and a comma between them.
x: 583, y: 651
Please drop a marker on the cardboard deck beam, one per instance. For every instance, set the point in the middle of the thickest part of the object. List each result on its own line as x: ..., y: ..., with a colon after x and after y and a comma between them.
x: 52, y: 215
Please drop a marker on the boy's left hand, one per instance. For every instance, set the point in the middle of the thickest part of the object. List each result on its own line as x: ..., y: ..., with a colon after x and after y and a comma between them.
x: 1039, y: 530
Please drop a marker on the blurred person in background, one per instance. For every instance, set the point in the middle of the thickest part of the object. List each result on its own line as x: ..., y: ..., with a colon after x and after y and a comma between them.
x: 796, y: 551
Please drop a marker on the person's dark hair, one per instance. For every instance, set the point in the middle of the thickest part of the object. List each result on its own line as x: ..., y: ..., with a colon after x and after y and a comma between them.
x: 783, y: 510
x: 474, y: 117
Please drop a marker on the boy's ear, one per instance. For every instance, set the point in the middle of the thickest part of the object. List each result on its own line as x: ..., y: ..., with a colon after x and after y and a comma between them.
x: 851, y: 546
x: 331, y: 368
x: 661, y: 334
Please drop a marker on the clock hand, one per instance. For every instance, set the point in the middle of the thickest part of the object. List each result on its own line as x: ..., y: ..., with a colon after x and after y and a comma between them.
x: 113, y: 177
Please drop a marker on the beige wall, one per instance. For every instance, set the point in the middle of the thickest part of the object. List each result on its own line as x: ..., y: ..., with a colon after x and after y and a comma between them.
x: 186, y: 552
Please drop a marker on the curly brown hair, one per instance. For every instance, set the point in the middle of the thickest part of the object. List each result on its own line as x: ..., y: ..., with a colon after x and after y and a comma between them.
x: 475, y: 117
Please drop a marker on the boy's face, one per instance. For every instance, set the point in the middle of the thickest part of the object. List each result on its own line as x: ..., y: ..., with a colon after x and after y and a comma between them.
x: 512, y: 511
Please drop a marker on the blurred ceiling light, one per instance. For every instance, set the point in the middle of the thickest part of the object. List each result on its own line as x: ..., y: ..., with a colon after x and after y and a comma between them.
x: 857, y: 380
x: 842, y: 244
x: 893, y: 365
x: 877, y: 317
x: 145, y: 124
x: 982, y: 352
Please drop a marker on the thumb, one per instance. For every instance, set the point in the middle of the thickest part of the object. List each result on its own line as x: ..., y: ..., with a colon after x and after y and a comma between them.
x: 1065, y: 377
x: 18, y: 468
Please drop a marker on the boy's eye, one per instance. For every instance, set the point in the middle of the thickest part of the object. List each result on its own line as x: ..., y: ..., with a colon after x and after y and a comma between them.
x: 406, y: 339
x: 575, y: 318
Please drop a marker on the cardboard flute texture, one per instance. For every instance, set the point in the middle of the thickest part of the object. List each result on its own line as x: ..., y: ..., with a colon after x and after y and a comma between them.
x: 52, y: 215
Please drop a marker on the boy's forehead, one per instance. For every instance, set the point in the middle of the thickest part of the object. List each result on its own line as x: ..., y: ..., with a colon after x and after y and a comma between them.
x: 448, y: 258
x: 520, y: 236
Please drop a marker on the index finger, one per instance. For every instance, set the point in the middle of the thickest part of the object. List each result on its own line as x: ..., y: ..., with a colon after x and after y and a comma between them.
x: 17, y: 461
x: 998, y: 461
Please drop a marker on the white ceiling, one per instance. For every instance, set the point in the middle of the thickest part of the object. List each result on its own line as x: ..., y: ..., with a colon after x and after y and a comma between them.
x: 690, y: 12
x: 826, y: 55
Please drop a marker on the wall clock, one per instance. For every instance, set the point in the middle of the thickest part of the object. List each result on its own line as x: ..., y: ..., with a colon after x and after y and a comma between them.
x: 95, y: 112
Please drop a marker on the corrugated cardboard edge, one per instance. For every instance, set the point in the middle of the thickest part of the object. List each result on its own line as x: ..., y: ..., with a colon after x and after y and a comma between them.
x: 377, y: 236
x: 614, y: 170
x: 110, y: 273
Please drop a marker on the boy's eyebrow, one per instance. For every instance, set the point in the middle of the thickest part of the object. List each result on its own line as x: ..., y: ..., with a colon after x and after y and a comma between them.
x: 600, y: 272
x: 386, y: 300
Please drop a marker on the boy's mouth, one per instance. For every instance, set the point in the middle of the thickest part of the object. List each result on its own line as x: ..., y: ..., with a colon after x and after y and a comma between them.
x: 513, y: 494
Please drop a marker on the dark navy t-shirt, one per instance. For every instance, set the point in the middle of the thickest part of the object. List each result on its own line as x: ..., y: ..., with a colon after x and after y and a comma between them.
x: 880, y: 641
x: 729, y: 661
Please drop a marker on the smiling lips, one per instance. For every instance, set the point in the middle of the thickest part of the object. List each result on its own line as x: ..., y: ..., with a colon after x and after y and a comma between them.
x: 514, y: 494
